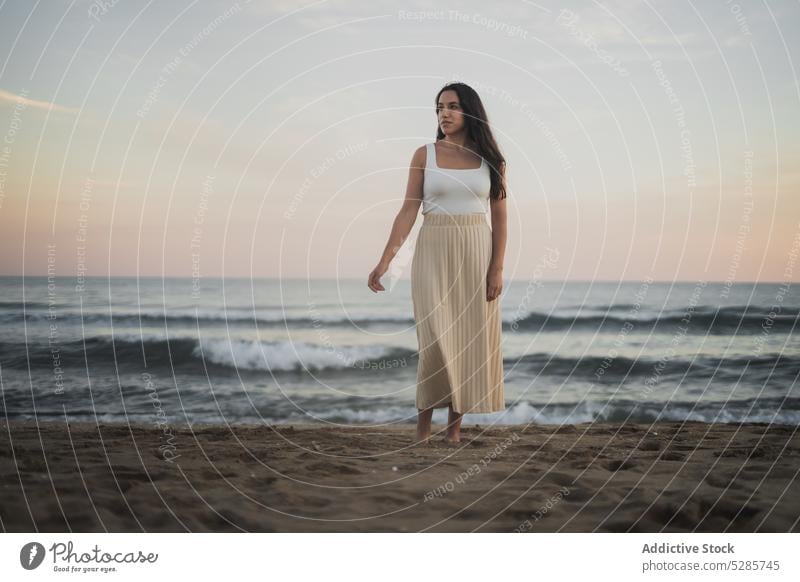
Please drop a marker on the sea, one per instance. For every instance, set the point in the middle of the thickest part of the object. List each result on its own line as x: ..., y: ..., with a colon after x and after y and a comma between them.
x: 178, y: 351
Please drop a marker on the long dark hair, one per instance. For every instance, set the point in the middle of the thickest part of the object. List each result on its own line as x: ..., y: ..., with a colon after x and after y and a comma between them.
x: 479, y: 132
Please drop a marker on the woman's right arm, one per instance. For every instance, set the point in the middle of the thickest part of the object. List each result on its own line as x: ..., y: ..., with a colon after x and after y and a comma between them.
x: 404, y: 221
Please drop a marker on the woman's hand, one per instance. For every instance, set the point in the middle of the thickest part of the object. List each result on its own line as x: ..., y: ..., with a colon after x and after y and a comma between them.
x: 374, y: 281
x: 494, y: 284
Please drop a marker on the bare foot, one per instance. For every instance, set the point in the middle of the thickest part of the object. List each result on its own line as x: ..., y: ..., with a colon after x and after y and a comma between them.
x: 452, y: 440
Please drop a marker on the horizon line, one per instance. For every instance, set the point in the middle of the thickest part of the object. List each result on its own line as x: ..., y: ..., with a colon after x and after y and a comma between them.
x: 243, y: 277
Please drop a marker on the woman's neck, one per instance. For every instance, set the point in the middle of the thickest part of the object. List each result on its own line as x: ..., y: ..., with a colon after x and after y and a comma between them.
x: 460, y: 142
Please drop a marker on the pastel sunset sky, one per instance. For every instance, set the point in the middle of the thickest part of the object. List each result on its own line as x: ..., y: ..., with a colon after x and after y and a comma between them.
x: 272, y: 139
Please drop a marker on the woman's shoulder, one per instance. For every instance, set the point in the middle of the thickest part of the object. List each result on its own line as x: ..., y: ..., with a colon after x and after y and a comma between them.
x: 420, y: 156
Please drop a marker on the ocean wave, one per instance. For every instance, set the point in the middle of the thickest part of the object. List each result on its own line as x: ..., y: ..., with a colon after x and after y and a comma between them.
x: 700, y: 366
x: 285, y: 356
x: 215, y: 353
x: 766, y: 410
x: 784, y: 411
x: 292, y: 402
x: 740, y: 319
x: 207, y: 317
x: 221, y: 354
x: 700, y: 321
x: 776, y: 410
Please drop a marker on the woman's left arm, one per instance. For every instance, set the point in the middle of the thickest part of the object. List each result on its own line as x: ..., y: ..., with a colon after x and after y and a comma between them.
x: 494, y: 278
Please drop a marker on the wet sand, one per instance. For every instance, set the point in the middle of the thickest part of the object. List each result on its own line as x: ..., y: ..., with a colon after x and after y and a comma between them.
x: 572, y: 478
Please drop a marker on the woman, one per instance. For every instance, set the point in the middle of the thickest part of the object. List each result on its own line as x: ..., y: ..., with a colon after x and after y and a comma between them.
x: 457, y: 269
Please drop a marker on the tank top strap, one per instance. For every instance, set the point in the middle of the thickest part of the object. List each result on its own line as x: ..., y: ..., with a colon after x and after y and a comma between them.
x: 430, y: 159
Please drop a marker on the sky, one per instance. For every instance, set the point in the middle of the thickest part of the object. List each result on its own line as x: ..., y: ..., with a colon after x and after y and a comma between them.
x: 644, y: 140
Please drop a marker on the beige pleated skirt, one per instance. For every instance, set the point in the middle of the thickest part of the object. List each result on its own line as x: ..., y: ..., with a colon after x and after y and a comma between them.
x: 458, y: 330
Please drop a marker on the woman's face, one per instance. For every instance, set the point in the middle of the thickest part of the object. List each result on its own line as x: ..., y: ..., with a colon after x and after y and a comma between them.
x: 448, y: 110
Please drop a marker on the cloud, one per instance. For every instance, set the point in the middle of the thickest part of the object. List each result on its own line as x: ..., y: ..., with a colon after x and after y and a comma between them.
x: 8, y: 97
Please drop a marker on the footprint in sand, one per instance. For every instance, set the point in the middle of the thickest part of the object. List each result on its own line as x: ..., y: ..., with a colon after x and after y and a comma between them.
x: 649, y: 445
x: 673, y: 456
x: 563, y: 479
x: 577, y: 494
x: 673, y: 515
x: 619, y: 465
x: 722, y: 480
x: 730, y: 510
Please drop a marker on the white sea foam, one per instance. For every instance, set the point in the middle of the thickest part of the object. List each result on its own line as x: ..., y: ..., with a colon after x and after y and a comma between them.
x: 284, y: 356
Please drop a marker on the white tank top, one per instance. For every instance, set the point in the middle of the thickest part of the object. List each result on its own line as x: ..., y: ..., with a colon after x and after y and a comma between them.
x: 454, y: 191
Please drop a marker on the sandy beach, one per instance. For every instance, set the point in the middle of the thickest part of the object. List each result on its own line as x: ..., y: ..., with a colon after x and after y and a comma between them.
x: 299, y: 478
